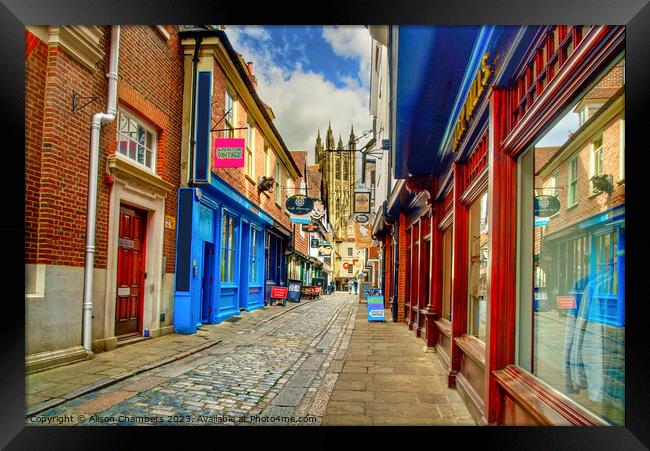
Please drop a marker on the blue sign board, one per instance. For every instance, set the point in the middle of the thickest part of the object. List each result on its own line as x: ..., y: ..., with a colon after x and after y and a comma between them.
x: 375, y: 308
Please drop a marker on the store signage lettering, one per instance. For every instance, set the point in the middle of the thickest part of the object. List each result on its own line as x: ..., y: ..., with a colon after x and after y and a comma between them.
x: 311, y: 227
x: 228, y: 153
x: 315, y: 244
x: 565, y: 302
x: 546, y: 206
x: 361, y: 218
x: 299, y: 204
x: 375, y: 308
x: 471, y: 101
x: 279, y: 292
x: 362, y: 202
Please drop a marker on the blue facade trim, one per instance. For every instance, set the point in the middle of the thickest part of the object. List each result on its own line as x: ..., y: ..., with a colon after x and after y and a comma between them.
x: 203, y: 127
x: 203, y: 297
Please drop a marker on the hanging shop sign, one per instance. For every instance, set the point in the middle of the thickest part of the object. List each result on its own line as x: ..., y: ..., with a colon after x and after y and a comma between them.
x: 362, y: 236
x: 346, y: 265
x: 228, y: 153
x: 319, y: 210
x: 324, y: 251
x: 300, y: 219
x: 472, y: 100
x: 315, y: 243
x: 546, y: 206
x: 299, y: 204
x: 362, y: 201
x: 311, y: 227
x: 375, y: 308
x: 361, y: 218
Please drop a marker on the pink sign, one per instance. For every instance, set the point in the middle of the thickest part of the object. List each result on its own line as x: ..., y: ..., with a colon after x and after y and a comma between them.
x: 566, y: 301
x: 228, y: 153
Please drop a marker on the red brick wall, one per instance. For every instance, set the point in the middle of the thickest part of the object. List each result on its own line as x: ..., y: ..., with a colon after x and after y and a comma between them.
x: 58, y: 140
x: 236, y: 177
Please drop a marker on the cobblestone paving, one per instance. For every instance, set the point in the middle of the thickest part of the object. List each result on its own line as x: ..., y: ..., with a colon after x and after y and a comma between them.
x: 277, y: 372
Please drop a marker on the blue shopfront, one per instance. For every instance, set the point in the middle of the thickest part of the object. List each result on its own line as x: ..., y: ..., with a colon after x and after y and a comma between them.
x: 220, y: 255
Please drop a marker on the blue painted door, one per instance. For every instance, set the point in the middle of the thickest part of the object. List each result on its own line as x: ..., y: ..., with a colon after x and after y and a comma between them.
x: 245, y: 268
x: 207, y: 282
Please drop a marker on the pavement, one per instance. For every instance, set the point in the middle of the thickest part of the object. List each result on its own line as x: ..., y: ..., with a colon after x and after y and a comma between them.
x: 311, y: 363
x: 388, y: 379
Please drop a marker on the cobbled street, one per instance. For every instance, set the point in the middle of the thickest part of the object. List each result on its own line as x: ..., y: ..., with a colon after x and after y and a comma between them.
x: 282, y: 371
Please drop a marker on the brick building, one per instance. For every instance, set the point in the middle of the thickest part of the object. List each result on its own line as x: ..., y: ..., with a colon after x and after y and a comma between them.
x: 139, y: 166
x: 233, y: 229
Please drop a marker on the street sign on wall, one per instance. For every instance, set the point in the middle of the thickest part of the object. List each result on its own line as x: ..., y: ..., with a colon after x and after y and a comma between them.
x: 228, y: 153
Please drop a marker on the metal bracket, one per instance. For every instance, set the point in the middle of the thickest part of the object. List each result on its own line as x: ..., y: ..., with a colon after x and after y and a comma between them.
x: 76, y: 98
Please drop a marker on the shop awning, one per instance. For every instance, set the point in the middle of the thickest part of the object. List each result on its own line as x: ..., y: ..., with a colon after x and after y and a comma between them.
x: 436, y: 66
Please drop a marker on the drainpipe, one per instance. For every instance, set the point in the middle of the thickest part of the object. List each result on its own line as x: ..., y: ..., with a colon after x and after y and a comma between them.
x: 91, y: 213
x: 195, y: 61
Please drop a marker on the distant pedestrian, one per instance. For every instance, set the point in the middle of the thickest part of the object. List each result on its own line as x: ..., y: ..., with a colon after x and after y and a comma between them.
x: 350, y: 286
x: 356, y: 286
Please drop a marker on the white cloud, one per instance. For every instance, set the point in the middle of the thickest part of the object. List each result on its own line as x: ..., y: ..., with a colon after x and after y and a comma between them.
x: 303, y: 101
x: 351, y: 42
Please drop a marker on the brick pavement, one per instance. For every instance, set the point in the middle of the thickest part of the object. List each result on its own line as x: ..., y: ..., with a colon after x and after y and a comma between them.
x: 271, y: 370
x: 386, y: 378
x: 51, y: 387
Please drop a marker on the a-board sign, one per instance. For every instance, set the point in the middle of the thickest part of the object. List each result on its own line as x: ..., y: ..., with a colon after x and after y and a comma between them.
x: 365, y: 290
x: 299, y: 204
x: 375, y: 308
x: 294, y: 287
x: 279, y: 293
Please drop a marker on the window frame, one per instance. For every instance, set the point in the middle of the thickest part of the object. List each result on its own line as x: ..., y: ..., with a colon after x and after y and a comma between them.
x: 278, y: 184
x: 229, y: 125
x: 470, y: 317
x: 226, y: 242
x: 595, y: 159
x: 122, y: 111
x: 250, y: 149
x: 570, y: 182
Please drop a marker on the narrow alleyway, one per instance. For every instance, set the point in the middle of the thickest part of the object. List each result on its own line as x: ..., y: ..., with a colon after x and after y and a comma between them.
x: 320, y: 362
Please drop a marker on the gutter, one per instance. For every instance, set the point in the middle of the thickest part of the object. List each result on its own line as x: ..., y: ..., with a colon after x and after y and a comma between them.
x: 91, y: 212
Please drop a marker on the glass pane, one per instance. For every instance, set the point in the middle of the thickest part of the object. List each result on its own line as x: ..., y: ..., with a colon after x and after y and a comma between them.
x: 578, y: 311
x: 478, y: 225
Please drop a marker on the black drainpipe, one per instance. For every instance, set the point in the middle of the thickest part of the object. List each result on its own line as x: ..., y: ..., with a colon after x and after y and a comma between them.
x: 195, y: 60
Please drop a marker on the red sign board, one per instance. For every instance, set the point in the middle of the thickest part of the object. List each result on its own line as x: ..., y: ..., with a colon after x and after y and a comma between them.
x: 228, y: 153
x: 279, y: 292
x: 565, y: 301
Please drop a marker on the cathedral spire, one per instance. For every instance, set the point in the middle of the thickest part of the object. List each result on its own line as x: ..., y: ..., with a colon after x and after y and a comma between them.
x: 340, y: 142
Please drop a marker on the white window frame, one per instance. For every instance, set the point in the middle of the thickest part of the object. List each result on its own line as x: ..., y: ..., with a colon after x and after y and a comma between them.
x: 229, y: 103
x: 592, y: 160
x: 148, y: 128
x: 569, y: 182
x: 250, y: 149
x: 278, y: 184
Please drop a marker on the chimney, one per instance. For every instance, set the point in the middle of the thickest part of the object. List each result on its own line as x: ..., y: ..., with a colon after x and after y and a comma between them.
x: 250, y: 73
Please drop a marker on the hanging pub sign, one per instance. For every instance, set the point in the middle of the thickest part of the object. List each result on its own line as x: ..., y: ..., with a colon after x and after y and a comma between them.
x: 362, y: 201
x: 546, y: 206
x: 299, y: 204
x: 228, y: 153
x: 319, y: 210
x: 324, y: 251
x: 311, y: 227
x: 361, y: 218
x: 315, y: 244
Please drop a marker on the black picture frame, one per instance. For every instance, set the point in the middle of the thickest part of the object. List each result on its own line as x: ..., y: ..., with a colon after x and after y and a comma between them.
x: 635, y: 14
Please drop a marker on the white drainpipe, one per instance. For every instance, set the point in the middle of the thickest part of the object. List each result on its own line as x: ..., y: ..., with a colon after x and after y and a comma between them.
x: 91, y: 214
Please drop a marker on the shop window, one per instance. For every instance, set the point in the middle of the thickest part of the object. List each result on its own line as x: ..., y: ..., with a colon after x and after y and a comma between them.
x: 278, y: 184
x: 447, y: 271
x: 136, y: 140
x: 254, y: 262
x: 228, y: 247
x: 572, y: 335
x: 250, y: 162
x: 229, y: 118
x: 478, y: 257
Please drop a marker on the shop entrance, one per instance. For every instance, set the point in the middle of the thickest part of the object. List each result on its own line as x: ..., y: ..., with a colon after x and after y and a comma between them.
x: 130, y: 272
x: 207, y: 281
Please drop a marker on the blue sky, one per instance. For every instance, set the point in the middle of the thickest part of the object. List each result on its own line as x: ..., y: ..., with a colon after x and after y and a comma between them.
x: 309, y: 75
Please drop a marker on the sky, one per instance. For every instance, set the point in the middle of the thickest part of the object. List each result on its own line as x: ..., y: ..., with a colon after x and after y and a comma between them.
x: 310, y: 75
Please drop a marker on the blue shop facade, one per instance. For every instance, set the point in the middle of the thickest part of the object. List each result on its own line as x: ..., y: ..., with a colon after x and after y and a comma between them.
x: 220, y: 258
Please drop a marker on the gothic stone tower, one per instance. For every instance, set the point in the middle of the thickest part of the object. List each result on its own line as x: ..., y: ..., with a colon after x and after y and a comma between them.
x: 338, y: 169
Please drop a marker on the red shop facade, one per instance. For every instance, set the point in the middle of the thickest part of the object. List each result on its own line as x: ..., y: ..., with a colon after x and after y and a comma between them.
x: 471, y: 268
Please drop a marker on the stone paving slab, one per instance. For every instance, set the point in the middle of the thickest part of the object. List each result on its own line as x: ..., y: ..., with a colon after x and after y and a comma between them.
x: 387, y: 379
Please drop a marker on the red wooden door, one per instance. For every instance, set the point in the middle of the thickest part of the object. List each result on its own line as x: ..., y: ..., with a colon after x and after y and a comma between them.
x: 130, y: 271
